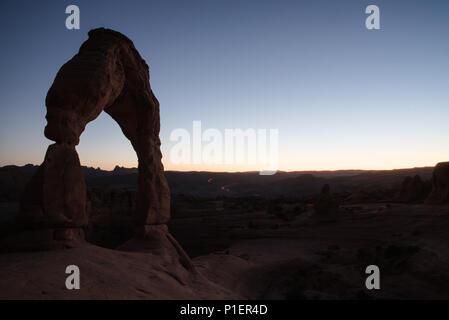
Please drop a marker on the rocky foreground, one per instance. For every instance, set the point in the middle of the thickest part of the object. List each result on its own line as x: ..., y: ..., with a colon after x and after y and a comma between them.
x: 265, y: 258
x: 104, y: 274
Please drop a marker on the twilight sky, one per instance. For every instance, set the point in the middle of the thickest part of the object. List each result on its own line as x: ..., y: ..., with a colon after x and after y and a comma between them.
x: 341, y: 96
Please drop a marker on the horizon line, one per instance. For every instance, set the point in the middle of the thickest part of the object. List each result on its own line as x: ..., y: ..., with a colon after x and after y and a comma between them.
x: 249, y: 171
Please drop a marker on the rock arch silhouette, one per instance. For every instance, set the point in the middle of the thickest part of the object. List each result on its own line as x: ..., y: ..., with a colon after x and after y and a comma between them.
x: 107, y: 74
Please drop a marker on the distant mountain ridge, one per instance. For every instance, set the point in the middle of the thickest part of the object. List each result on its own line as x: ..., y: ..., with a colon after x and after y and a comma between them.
x: 211, y: 184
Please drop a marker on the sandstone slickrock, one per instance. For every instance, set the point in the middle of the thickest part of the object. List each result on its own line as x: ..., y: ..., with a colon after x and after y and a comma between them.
x: 440, y: 184
x: 107, y: 74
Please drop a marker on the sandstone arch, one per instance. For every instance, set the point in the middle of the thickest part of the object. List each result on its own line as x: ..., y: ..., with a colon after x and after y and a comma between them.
x: 107, y: 74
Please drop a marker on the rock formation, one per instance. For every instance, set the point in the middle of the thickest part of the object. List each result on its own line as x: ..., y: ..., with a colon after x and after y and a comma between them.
x: 440, y: 185
x: 326, y: 205
x: 106, y: 74
x: 413, y: 189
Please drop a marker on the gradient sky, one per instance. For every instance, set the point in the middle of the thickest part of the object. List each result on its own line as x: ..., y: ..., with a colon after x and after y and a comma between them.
x: 341, y: 96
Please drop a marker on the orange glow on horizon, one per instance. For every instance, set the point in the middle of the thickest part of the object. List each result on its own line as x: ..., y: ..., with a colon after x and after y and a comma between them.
x: 234, y: 168
x: 252, y: 168
x: 318, y: 161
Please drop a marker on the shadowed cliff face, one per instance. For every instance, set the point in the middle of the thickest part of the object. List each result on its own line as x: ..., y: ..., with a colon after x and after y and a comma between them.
x: 413, y: 190
x: 107, y: 74
x: 440, y: 184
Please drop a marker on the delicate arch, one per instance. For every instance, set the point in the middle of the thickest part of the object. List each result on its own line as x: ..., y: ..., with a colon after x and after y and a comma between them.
x: 107, y: 74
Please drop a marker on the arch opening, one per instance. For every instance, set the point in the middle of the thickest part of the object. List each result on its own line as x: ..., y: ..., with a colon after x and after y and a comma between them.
x: 111, y: 182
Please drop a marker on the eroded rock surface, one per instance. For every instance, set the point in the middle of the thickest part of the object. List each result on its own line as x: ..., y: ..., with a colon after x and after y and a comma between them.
x: 440, y: 184
x: 413, y: 190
